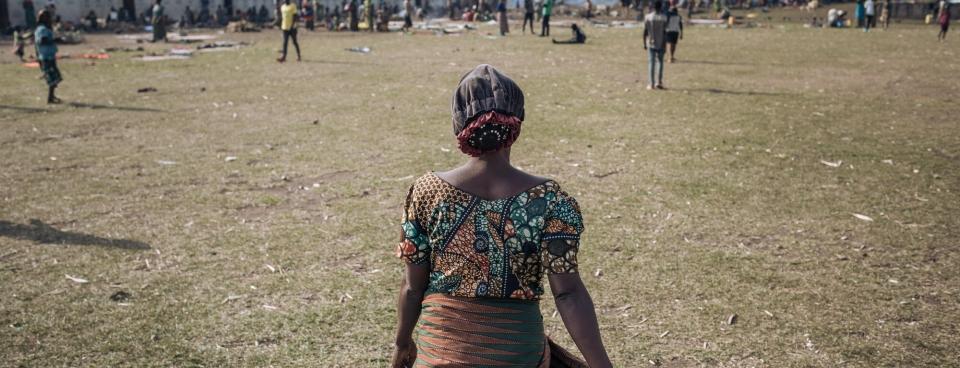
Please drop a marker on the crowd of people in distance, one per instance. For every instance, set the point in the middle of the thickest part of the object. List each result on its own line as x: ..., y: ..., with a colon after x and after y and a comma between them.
x: 662, y: 22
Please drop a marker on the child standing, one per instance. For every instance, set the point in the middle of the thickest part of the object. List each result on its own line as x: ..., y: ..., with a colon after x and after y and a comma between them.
x: 47, y: 54
x: 674, y: 30
x: 18, y: 42
x: 944, y: 20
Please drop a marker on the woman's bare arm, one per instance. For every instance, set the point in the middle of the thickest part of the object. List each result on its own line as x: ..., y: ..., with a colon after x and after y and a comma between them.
x: 576, y: 309
x: 412, y: 288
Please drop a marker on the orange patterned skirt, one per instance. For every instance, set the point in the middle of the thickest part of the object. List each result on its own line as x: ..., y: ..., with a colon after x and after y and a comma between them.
x: 485, y: 332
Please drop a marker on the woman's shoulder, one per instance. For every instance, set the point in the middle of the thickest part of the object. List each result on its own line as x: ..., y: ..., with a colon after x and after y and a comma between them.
x: 555, y: 190
x: 428, y: 185
x: 428, y: 179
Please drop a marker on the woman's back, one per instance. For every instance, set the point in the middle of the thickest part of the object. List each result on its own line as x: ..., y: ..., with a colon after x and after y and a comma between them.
x: 490, y: 247
x: 477, y: 241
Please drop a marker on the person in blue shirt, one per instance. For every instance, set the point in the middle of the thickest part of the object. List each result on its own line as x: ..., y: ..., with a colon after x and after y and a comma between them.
x: 47, y: 53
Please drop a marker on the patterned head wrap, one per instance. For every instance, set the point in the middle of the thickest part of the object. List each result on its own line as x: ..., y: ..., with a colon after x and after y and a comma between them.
x: 487, y: 110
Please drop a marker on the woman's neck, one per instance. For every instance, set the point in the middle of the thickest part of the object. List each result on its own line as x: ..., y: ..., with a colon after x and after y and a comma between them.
x: 492, y: 162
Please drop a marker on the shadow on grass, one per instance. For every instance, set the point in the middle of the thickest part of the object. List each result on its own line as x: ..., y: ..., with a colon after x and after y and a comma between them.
x: 40, y: 232
x: 33, y: 110
x: 711, y: 62
x: 81, y: 105
x: 338, y: 62
x: 108, y: 107
x: 737, y: 93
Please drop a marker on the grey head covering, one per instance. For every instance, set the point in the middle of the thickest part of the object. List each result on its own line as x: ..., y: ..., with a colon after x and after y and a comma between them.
x: 482, y: 90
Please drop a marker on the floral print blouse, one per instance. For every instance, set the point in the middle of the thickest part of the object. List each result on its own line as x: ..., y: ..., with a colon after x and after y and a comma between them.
x: 489, y: 248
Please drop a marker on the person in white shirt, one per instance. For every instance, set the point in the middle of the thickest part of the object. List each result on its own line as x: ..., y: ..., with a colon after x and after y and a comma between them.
x: 870, y: 11
x: 674, y: 30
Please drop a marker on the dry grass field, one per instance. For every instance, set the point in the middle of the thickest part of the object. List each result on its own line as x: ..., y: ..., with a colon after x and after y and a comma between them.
x: 246, y: 213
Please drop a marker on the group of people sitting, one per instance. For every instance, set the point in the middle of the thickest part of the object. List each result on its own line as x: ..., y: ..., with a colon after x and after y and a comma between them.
x: 222, y: 16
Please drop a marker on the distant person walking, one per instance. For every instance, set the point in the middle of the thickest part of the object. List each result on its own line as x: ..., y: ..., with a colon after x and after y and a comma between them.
x: 674, y: 30
x: 288, y: 24
x: 869, y: 10
x: 944, y: 20
x: 369, y: 14
x: 158, y: 22
x: 502, y: 17
x: 47, y: 54
x: 545, y: 24
x: 654, y: 40
x: 885, y: 12
x: 528, y: 16
x: 29, y: 14
x: 859, y: 13
x: 408, y: 15
x: 354, y: 14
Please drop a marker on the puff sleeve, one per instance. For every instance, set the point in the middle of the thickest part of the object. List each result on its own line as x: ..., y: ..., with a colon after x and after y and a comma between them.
x: 414, y: 246
x: 561, y: 235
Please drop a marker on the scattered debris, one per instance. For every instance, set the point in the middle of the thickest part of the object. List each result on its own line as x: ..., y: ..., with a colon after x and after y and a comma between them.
x: 664, y: 334
x: 231, y: 298
x: 622, y: 310
x: 732, y: 319
x: 269, y: 307
x: 166, y: 162
x: 230, y: 158
x: 706, y: 21
x: 99, y: 56
x: 598, y: 273
x: 271, y: 268
x: 70, y: 38
x: 120, y: 296
x: 180, y: 52
x: 601, y: 176
x: 768, y: 313
x: 362, y: 49
x: 77, y: 279
x: 888, y: 162
x: 809, y: 343
x: 161, y: 57
x: 863, y: 217
x: 832, y: 164
x: 122, y: 49
x: 242, y: 26
x: 893, y: 281
x: 146, y: 89
x: 221, y: 46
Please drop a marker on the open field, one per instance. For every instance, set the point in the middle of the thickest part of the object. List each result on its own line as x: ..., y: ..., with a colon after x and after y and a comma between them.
x: 710, y: 199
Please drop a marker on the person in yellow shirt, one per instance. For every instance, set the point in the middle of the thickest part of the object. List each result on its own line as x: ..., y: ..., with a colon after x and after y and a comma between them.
x: 288, y: 24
